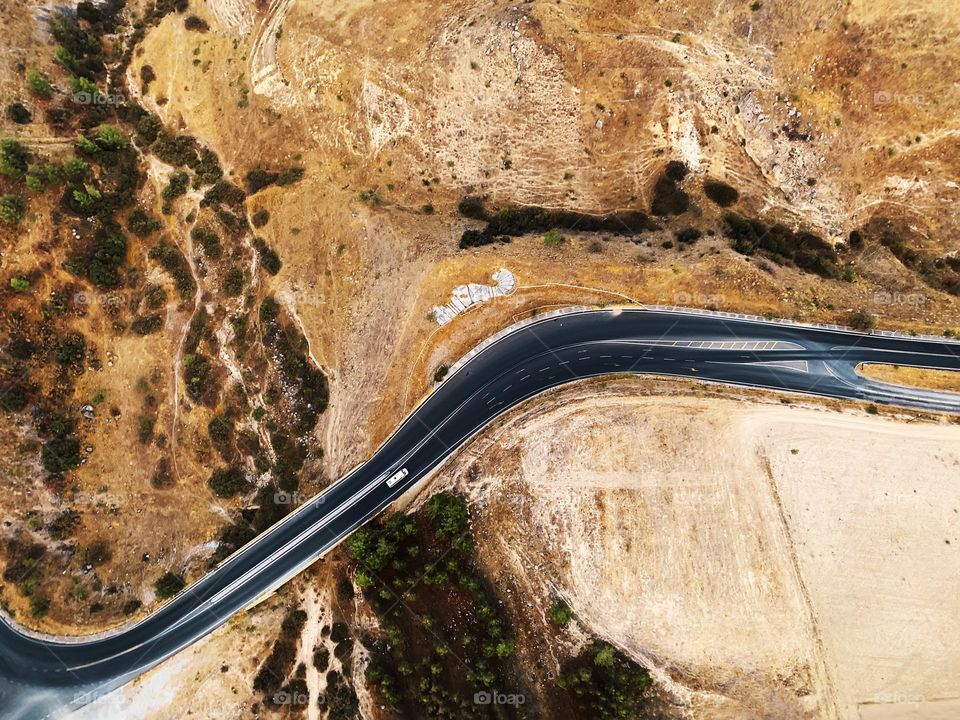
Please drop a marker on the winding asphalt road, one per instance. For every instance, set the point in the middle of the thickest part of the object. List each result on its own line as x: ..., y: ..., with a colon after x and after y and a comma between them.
x: 41, y: 678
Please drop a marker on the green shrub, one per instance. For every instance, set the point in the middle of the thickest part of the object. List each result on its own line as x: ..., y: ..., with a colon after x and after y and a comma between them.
x: 12, y: 209
x: 100, y: 261
x: 605, y: 684
x: 688, y: 235
x: 260, y: 218
x: 82, y: 86
x: 719, y: 192
x: 258, y: 178
x: 85, y: 145
x: 71, y: 349
x: 227, y: 482
x: 14, y: 396
x: 86, y: 200
x: 146, y: 324
x: 861, y: 320
x: 162, y: 477
x: 553, y: 237
x: 172, y: 260
x: 38, y: 85
x: 147, y: 76
x: 561, y: 614
x: 220, y: 430
x: 18, y: 113
x: 208, y: 240
x: 449, y: 513
x: 207, y: 170
x: 110, y: 138
x: 177, y: 186
x: 224, y: 192
x: 168, y: 585
x: 148, y: 130
x: 513, y: 221
x: 65, y: 58
x: 64, y: 525
x: 60, y: 454
x: 233, y: 282
x: 175, y: 150
x: 269, y: 260
x: 807, y: 251
x: 141, y: 224
x: 75, y: 169
x: 14, y: 158
x: 39, y: 606
x: 145, y: 429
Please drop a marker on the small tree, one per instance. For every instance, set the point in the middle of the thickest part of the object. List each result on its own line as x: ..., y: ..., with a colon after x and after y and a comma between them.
x: 109, y: 138
x: 60, y: 454
x: 861, y: 320
x: 14, y: 158
x: 38, y: 85
x: 561, y: 614
x: 553, y: 237
x: 12, y: 209
x: 39, y: 605
x: 82, y: 86
x: 605, y: 656
x: 227, y: 482
x: 168, y: 585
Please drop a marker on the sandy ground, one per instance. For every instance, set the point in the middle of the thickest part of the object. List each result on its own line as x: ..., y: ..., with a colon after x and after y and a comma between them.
x: 211, y: 679
x: 719, y: 562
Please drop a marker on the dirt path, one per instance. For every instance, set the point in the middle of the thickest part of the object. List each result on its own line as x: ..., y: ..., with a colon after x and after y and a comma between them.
x: 194, y: 198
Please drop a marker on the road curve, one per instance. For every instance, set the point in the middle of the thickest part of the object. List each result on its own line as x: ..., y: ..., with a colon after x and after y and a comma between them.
x: 43, y: 678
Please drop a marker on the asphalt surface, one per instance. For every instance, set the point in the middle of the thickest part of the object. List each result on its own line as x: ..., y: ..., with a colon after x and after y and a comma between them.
x: 40, y: 678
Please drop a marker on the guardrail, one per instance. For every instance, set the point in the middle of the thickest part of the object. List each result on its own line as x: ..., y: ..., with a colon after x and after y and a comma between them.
x: 797, y: 323
x: 500, y: 334
x: 687, y: 311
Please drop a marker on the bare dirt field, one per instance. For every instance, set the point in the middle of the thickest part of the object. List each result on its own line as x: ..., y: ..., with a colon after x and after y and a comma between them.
x: 718, y: 562
x: 210, y: 680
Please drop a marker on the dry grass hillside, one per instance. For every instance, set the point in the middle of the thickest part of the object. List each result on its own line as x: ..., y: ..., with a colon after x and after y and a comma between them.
x: 299, y: 168
x: 805, y: 109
